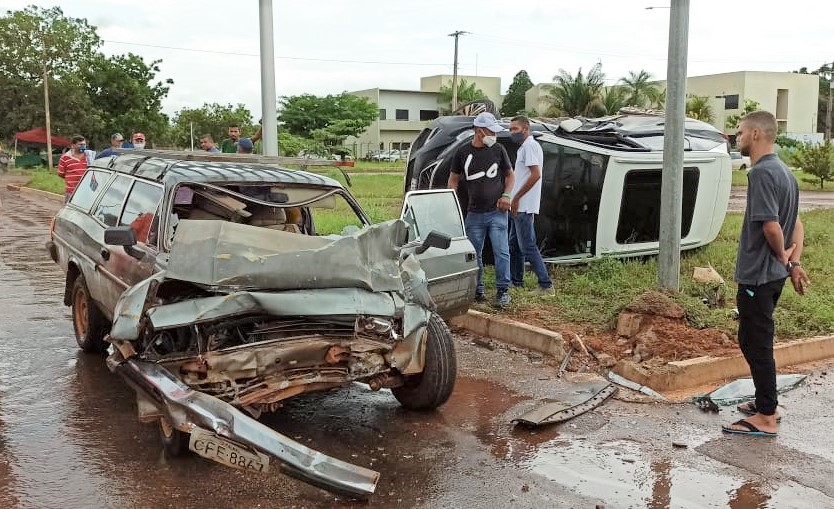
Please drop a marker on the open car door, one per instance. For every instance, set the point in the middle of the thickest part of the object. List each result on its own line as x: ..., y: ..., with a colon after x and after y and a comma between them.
x: 452, y: 272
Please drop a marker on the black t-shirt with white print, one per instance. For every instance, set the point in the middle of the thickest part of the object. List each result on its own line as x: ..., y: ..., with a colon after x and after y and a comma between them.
x: 483, y: 170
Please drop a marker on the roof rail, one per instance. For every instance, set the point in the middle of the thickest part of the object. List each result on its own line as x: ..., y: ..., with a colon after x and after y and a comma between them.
x: 185, y: 155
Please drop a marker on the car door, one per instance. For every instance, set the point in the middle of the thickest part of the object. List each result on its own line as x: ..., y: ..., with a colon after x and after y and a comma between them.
x: 452, y: 273
x: 141, y: 213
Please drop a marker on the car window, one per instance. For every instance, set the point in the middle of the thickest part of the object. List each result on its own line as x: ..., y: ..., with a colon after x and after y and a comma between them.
x: 438, y: 211
x: 140, y: 211
x: 89, y: 188
x: 110, y: 205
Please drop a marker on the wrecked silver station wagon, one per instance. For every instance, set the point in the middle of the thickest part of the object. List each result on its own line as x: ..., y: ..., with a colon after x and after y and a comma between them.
x: 223, y: 297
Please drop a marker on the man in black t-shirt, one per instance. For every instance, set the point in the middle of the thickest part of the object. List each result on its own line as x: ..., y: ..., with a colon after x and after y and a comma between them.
x: 486, y: 169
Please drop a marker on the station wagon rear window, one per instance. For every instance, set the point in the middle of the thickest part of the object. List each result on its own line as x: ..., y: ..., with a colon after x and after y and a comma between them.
x: 89, y: 188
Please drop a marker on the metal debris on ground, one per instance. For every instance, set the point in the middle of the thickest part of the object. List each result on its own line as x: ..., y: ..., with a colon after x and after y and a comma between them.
x: 741, y: 390
x: 565, y: 362
x: 575, y: 401
x: 625, y: 382
x: 706, y: 404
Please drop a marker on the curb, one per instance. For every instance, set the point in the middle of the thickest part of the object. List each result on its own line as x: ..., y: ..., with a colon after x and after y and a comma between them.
x: 706, y: 370
x: 38, y: 193
x: 515, y: 333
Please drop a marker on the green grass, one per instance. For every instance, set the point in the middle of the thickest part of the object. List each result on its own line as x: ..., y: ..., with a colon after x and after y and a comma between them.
x: 592, y: 295
x: 381, y: 196
x: 807, y: 182
x: 377, y: 167
x: 44, y: 180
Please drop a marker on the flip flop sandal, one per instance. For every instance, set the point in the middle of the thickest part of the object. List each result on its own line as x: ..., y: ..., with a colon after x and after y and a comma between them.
x: 750, y: 431
x: 749, y: 408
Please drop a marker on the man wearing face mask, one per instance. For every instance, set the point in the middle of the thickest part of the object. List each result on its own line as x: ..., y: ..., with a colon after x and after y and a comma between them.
x: 73, y: 165
x: 139, y: 141
x: 526, y: 198
x: 488, y: 175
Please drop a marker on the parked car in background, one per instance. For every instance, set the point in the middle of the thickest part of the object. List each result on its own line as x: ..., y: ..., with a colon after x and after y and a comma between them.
x: 601, y: 181
x: 739, y: 161
x: 390, y: 156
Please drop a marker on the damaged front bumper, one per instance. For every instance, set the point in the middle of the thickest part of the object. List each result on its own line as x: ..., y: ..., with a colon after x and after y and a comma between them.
x: 186, y: 409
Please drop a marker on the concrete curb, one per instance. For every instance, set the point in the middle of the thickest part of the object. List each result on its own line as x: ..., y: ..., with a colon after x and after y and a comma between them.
x: 41, y: 194
x: 706, y: 370
x: 512, y: 332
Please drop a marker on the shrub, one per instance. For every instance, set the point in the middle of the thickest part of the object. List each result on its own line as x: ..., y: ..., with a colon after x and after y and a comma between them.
x: 816, y: 160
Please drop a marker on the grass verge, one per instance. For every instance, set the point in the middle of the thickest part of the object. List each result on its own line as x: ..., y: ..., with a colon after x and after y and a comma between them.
x: 45, y: 181
x: 807, y: 182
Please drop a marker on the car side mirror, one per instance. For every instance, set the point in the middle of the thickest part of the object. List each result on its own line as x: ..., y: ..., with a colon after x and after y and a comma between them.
x: 123, y: 236
x: 435, y: 239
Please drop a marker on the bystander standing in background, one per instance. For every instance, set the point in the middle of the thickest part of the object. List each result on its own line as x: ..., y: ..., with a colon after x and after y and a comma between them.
x: 73, y: 165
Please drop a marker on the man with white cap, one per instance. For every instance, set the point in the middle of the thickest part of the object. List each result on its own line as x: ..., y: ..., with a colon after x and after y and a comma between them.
x: 488, y: 177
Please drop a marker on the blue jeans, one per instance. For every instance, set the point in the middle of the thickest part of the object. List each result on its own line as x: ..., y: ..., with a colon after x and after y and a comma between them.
x: 523, y: 248
x: 494, y: 224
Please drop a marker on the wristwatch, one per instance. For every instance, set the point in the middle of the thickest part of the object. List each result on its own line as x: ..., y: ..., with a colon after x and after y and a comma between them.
x: 791, y: 265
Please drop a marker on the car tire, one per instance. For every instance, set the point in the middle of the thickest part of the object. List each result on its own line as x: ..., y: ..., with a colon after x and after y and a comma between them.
x: 174, y: 442
x: 88, y: 322
x: 431, y: 388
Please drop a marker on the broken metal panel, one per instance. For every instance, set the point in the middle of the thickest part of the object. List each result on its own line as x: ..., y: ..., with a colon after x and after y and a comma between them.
x: 186, y: 409
x: 579, y: 399
x: 130, y: 307
x: 325, y: 302
x: 224, y: 254
x: 629, y: 384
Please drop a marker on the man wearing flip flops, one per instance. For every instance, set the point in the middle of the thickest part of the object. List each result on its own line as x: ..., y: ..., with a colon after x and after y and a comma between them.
x: 769, y: 248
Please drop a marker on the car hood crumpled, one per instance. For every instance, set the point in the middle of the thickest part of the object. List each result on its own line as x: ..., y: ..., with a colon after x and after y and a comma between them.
x: 221, y: 254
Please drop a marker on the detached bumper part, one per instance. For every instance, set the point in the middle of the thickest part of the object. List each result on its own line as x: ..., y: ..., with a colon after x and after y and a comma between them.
x: 185, y: 408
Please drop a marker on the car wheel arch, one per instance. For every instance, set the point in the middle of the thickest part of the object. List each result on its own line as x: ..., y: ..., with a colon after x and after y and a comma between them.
x: 73, y: 271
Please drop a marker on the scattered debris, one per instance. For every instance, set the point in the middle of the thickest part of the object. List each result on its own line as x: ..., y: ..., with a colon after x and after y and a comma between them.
x: 605, y: 360
x: 680, y: 445
x: 565, y: 362
x: 579, y: 399
x: 484, y: 342
x: 706, y: 404
x: 741, y: 390
x: 625, y: 382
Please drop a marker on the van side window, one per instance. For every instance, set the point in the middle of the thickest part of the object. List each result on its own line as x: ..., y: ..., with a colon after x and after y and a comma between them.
x: 110, y: 206
x: 140, y: 211
x: 89, y: 188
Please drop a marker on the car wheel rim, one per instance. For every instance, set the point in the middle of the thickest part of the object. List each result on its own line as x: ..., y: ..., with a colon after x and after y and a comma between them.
x: 80, y: 307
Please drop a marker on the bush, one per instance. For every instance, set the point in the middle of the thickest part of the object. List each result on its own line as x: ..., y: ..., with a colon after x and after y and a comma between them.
x: 817, y: 160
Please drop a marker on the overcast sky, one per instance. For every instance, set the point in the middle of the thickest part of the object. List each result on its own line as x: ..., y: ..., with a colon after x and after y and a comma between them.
x: 210, y: 48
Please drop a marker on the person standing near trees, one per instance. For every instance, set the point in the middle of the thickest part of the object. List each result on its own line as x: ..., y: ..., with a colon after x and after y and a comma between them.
x: 527, y: 194
x: 229, y: 145
x: 770, y: 245
x: 73, y: 165
x: 488, y: 175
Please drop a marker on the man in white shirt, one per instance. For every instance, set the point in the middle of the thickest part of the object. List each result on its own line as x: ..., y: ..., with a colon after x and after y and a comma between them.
x: 527, y: 192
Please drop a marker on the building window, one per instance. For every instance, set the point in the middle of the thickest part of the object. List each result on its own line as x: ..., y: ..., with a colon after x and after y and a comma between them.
x: 402, y: 114
x: 382, y: 113
x: 428, y: 114
x: 731, y: 102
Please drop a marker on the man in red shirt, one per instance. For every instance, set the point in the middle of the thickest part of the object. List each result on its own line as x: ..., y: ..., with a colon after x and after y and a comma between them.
x: 73, y: 165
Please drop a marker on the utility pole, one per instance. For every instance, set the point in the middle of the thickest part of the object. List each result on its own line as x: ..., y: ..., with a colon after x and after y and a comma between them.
x: 456, y: 35
x: 46, y: 102
x: 830, y: 91
x: 671, y: 191
x: 269, y: 120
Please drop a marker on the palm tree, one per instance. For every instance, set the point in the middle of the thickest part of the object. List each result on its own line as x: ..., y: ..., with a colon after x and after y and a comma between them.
x: 698, y: 107
x: 466, y: 92
x: 613, y: 99
x: 657, y: 98
x: 576, y: 95
x: 640, y: 88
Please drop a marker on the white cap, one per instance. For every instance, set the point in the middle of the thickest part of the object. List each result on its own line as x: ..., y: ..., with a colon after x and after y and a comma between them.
x: 487, y: 121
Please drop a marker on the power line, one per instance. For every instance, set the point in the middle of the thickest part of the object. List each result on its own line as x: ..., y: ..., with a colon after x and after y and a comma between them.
x: 231, y: 53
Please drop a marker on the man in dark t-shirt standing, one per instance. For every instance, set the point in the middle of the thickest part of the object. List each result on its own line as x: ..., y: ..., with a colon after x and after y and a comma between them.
x: 485, y: 167
x: 771, y: 242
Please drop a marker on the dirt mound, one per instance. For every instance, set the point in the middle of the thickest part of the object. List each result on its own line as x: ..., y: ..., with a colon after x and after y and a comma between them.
x: 657, y: 304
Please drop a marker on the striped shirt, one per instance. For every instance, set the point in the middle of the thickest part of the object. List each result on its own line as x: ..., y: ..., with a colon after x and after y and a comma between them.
x: 71, y: 170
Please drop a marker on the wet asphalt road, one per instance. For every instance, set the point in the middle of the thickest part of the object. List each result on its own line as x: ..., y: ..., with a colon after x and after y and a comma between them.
x: 69, y: 437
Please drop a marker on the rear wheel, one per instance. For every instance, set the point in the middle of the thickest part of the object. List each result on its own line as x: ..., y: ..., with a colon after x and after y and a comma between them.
x: 432, y: 387
x: 89, y: 322
x: 174, y: 442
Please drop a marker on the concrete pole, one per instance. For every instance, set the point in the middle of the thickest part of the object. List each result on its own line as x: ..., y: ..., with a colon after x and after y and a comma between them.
x: 456, y: 35
x: 47, y: 116
x: 269, y: 119
x: 828, y: 120
x: 671, y: 192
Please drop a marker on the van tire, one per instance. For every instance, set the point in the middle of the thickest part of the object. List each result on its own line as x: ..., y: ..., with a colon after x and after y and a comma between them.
x: 431, y: 388
x: 89, y: 323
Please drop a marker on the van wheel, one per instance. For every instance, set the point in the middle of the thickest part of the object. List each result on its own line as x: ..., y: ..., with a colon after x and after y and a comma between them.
x: 174, y: 442
x: 431, y: 388
x: 88, y: 321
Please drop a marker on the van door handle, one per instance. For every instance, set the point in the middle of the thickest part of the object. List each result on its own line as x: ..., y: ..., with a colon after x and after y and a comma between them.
x: 470, y: 257
x: 105, y: 254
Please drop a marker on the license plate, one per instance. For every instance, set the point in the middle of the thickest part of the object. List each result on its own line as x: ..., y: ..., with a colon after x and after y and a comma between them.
x: 226, y: 452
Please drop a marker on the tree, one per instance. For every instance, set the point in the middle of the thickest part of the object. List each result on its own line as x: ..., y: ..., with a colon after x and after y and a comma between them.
x: 213, y: 119
x: 613, y: 99
x: 332, y: 117
x: 816, y: 159
x: 466, y: 92
x: 749, y: 107
x: 514, y: 101
x: 824, y: 90
x: 576, y: 95
x: 698, y: 107
x: 640, y: 89
x: 657, y: 98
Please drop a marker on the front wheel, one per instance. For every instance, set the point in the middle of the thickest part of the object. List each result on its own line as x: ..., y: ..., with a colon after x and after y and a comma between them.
x: 89, y: 323
x: 174, y: 442
x: 432, y: 387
